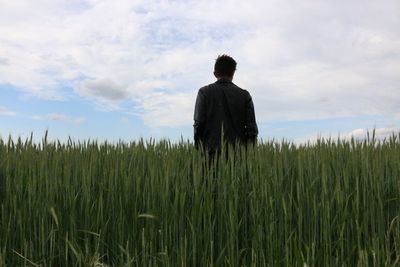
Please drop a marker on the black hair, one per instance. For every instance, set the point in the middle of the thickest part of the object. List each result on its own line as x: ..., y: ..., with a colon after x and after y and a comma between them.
x: 224, y: 66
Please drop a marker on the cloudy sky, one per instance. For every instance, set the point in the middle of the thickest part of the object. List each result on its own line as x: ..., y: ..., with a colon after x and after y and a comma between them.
x: 106, y: 69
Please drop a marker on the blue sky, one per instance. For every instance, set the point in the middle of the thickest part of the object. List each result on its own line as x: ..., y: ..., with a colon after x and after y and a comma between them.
x: 104, y: 69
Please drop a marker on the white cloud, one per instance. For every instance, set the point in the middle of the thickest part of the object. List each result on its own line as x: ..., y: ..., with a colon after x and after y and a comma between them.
x: 36, y: 118
x: 5, y: 112
x: 79, y: 120
x: 124, y: 120
x: 3, y: 61
x: 104, y: 89
x: 300, y: 60
x: 357, y: 134
x: 56, y: 117
x: 160, y: 109
x: 380, y: 133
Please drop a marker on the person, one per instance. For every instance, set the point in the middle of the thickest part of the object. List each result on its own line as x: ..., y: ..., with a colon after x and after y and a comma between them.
x: 223, y: 111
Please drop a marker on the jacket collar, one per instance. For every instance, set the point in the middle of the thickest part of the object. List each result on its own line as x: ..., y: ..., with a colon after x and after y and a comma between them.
x: 223, y: 81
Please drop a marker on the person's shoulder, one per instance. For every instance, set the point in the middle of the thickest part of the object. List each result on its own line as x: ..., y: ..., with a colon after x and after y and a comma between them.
x: 242, y: 90
x: 244, y: 93
x: 206, y: 88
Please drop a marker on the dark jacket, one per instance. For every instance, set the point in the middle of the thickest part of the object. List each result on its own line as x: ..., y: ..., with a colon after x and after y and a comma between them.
x: 223, y: 106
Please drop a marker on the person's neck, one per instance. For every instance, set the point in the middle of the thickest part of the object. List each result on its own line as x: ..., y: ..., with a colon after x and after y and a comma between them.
x: 225, y: 78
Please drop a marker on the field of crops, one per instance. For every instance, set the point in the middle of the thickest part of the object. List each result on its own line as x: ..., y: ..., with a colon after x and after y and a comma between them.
x: 146, y: 203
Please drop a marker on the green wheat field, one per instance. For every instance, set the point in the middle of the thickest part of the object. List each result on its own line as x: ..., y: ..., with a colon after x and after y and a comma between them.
x: 156, y: 203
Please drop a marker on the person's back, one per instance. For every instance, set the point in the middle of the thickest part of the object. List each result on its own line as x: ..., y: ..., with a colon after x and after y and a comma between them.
x: 223, y: 107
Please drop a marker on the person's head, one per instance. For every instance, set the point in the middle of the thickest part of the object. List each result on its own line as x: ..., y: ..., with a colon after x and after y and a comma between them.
x: 225, y: 67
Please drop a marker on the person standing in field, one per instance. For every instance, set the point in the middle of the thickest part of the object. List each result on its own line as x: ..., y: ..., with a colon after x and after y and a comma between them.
x: 225, y: 110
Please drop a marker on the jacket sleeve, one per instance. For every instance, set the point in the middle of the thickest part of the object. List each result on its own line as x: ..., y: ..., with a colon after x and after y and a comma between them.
x: 251, y: 130
x: 199, y: 118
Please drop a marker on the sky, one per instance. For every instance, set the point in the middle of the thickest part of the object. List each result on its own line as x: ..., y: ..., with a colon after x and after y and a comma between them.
x: 123, y: 70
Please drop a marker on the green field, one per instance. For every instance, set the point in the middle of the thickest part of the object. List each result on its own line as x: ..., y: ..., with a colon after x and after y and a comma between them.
x: 147, y: 203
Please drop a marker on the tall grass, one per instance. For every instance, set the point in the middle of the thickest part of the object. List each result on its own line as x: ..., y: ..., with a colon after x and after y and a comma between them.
x: 147, y: 203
